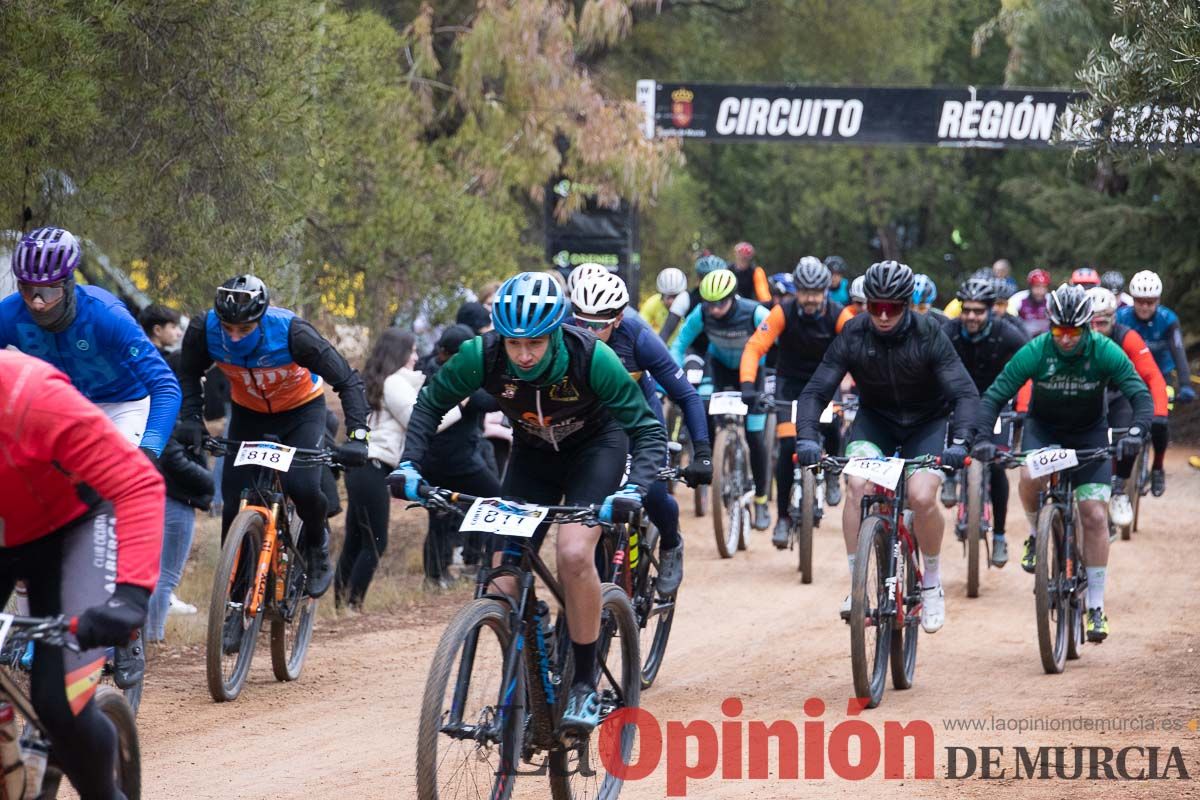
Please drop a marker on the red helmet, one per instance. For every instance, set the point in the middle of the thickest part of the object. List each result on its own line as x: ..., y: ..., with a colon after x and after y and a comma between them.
x: 1085, y: 276
x: 1039, y: 277
x: 744, y: 249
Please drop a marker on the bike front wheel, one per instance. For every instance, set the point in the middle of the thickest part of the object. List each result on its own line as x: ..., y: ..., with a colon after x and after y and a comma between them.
x: 804, y: 528
x: 905, y: 636
x: 871, y: 611
x: 469, y: 736
x: 577, y: 772
x: 113, y: 705
x: 726, y: 512
x: 232, y: 635
x: 1051, y: 601
x: 654, y: 612
x: 975, y: 478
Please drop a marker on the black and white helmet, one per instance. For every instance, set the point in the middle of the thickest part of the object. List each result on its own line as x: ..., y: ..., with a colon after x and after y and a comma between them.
x: 888, y: 280
x: 811, y: 274
x: 978, y: 290
x: 1069, y: 306
x: 601, y: 295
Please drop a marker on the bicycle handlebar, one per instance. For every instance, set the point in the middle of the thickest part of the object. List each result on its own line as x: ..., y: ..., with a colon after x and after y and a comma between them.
x: 445, y: 499
x: 220, y: 446
x: 835, y: 463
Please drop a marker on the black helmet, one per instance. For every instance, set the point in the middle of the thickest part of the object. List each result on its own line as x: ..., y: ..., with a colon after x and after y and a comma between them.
x: 1069, y: 306
x: 1113, y: 280
x: 242, y: 299
x: 978, y: 290
x: 836, y: 264
x: 811, y: 274
x: 888, y: 280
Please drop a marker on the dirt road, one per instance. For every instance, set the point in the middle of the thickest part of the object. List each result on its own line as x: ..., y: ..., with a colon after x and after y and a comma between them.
x: 746, y: 628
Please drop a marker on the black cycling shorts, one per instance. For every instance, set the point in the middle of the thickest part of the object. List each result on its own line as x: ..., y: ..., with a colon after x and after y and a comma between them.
x: 926, y: 439
x: 1092, y: 481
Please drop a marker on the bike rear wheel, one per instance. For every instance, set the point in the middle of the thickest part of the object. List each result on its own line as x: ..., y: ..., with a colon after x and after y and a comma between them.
x: 804, y: 529
x: 233, y: 585
x: 1052, y: 604
x: 726, y: 514
x: 113, y: 705
x: 1135, y: 494
x: 577, y: 773
x: 975, y: 477
x: 469, y: 736
x: 292, y: 624
x: 654, y: 613
x: 870, y: 610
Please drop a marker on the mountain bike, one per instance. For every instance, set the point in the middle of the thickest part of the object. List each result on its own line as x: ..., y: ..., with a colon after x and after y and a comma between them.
x: 733, y: 479
x: 885, y: 589
x: 677, y: 432
x: 629, y: 556
x: 37, y: 770
x: 974, y: 520
x: 806, y: 504
x: 1060, y: 577
x: 497, y: 687
x: 262, y: 571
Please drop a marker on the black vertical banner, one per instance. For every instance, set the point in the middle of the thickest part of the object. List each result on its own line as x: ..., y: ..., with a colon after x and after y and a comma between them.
x: 606, y: 236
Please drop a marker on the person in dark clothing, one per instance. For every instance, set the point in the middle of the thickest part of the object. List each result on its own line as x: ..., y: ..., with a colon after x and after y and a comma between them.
x: 475, y: 317
x: 456, y: 458
x: 189, y: 487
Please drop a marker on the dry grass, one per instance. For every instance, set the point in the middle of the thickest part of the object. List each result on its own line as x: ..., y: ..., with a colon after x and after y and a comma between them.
x: 397, y: 584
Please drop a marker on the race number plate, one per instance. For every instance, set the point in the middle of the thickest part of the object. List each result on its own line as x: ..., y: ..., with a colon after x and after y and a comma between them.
x: 727, y: 403
x: 695, y: 376
x: 494, y: 515
x: 1049, y: 460
x: 885, y: 472
x: 271, y: 455
x: 827, y: 415
x: 6, y: 621
x: 997, y: 426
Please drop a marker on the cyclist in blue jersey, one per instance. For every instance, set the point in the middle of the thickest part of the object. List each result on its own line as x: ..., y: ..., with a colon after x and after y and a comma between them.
x: 87, y: 333
x: 1159, y: 327
x: 729, y: 321
x: 598, y: 303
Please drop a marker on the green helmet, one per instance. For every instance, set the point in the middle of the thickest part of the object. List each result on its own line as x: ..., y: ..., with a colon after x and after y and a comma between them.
x: 718, y: 285
x: 706, y: 265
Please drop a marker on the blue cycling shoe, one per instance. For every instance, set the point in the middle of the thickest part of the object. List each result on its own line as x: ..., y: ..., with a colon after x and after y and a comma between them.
x: 582, y: 714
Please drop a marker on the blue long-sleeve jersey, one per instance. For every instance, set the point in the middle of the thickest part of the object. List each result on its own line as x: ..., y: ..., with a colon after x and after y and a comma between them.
x: 727, y: 336
x: 645, y: 356
x: 104, y: 352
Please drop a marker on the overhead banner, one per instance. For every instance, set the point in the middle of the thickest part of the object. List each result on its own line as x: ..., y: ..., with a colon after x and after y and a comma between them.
x: 946, y: 117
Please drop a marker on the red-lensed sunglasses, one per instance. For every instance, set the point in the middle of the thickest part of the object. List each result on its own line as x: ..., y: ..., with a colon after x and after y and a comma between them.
x: 1065, y: 330
x: 893, y: 308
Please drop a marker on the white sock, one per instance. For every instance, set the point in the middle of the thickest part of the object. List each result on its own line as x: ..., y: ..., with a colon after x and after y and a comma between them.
x: 932, y: 576
x: 1032, y: 517
x: 1097, y: 577
x: 850, y: 559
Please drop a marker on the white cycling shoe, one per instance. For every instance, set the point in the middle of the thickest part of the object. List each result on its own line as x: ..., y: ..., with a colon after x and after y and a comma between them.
x: 1120, y: 510
x: 844, y: 611
x: 933, y: 609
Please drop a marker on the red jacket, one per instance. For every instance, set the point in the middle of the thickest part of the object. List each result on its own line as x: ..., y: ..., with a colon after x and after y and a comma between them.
x: 52, y: 441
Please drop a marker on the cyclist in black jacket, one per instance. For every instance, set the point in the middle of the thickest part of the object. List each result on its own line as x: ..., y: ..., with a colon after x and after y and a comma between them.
x: 908, y: 375
x: 985, y: 341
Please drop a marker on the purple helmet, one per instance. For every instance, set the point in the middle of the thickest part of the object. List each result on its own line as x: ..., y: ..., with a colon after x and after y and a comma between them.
x: 45, y: 255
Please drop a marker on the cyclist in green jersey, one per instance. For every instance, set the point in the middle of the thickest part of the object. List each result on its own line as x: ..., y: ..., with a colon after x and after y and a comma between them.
x: 1070, y: 367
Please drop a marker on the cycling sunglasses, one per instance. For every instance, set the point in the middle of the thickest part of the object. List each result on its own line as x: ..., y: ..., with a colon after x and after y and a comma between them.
x: 893, y: 308
x: 49, y: 293
x: 1065, y: 330
x: 596, y: 325
x: 235, y: 298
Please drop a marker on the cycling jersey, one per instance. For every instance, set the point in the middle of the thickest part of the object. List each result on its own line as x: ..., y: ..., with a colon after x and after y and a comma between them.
x: 277, y: 368
x: 907, y: 378
x: 1068, y: 389
x: 654, y: 311
x: 848, y: 313
x: 1143, y: 363
x: 59, y: 455
x: 803, y: 339
x: 647, y: 359
x: 727, y: 336
x: 585, y: 388
x: 986, y: 353
x: 1033, y: 315
x: 106, y: 355
x: 752, y: 284
x: 1164, y: 338
x: 841, y: 294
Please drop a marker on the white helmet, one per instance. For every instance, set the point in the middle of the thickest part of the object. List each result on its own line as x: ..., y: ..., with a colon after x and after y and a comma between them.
x: 1103, y: 301
x: 856, y: 289
x: 602, y: 296
x: 671, y: 281
x: 584, y: 271
x: 1145, y: 284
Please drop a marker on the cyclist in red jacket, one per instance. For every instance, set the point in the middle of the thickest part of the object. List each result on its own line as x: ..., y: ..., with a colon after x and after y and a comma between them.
x: 81, y: 519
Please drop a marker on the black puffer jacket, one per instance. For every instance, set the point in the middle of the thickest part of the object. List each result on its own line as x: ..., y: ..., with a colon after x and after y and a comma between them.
x: 908, y: 378
x: 985, y: 358
x: 186, y: 474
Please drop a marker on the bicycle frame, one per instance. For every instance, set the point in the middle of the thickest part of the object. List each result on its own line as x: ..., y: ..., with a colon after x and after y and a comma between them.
x: 891, y: 504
